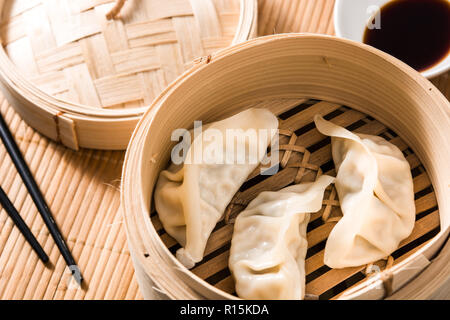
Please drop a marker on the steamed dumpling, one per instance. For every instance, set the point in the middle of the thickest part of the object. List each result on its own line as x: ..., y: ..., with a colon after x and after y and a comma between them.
x: 268, y: 248
x: 375, y: 189
x: 191, y: 198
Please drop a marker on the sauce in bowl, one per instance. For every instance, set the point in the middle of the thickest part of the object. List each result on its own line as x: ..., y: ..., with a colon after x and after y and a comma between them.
x: 414, y: 31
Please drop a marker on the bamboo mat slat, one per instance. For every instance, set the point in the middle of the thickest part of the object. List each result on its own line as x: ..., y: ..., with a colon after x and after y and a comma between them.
x: 82, y: 191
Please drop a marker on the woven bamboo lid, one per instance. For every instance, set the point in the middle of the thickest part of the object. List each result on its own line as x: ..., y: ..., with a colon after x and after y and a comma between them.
x: 84, y: 80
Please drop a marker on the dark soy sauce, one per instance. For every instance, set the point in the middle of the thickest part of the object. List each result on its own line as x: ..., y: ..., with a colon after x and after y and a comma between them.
x: 414, y: 31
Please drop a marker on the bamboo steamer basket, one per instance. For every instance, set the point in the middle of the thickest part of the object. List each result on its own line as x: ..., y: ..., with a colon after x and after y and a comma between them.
x: 85, y: 81
x: 283, y: 73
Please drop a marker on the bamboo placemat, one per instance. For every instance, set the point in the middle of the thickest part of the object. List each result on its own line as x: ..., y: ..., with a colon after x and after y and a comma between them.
x: 82, y: 191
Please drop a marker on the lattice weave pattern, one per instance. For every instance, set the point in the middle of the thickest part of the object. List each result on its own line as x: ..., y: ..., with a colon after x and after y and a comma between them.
x: 71, y: 51
x: 295, y: 164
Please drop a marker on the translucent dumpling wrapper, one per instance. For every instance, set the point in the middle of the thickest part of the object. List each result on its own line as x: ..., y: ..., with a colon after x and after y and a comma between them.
x: 376, y: 194
x: 191, y: 197
x: 268, y: 248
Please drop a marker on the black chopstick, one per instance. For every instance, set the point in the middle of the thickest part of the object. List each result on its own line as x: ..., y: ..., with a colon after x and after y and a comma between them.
x: 21, y: 225
x: 36, y: 195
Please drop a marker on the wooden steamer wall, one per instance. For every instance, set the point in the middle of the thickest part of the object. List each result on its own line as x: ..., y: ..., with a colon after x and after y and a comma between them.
x: 351, y: 84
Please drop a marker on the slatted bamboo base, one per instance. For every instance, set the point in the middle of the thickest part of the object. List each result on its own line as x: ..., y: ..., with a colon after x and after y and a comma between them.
x: 305, y: 154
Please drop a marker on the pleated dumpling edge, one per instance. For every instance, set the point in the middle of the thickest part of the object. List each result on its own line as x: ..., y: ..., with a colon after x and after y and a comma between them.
x: 269, y: 244
x: 191, y: 198
x: 376, y: 194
